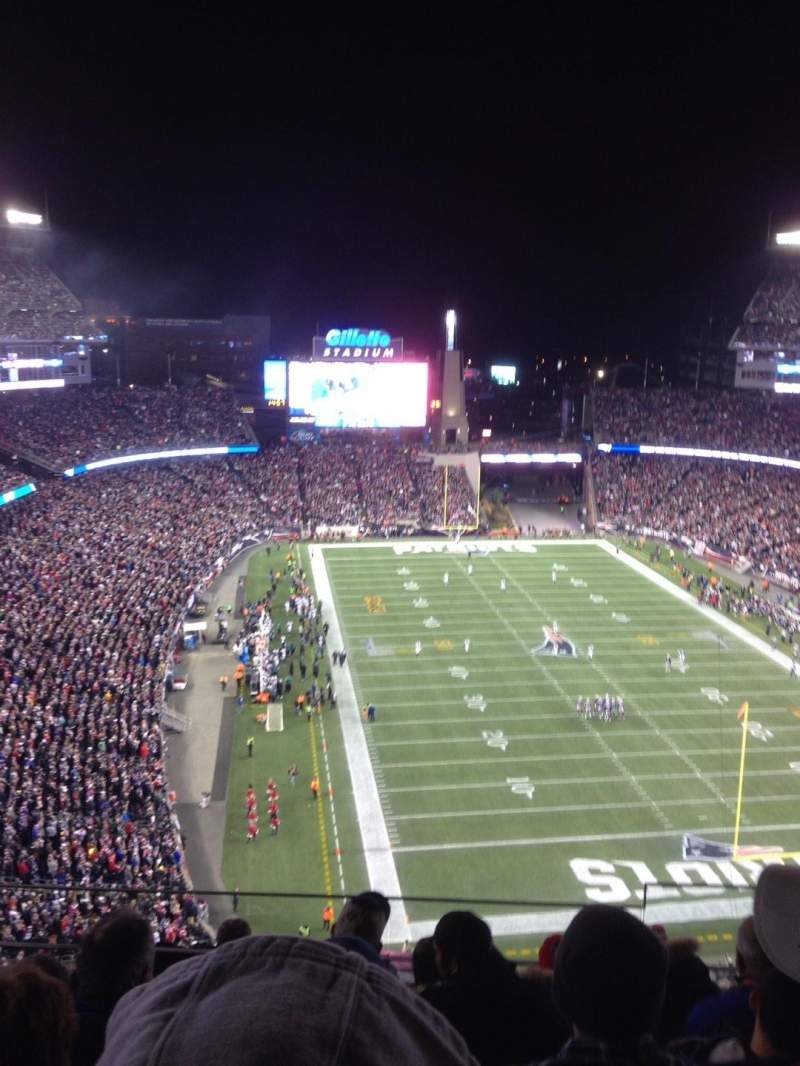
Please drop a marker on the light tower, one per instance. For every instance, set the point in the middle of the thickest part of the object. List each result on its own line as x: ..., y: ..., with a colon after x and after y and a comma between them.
x: 454, y: 425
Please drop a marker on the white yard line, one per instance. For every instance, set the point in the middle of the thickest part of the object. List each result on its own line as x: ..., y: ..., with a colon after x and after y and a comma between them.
x: 381, y: 869
x: 433, y: 764
x: 576, y: 808
x: 597, y: 838
x: 561, y: 781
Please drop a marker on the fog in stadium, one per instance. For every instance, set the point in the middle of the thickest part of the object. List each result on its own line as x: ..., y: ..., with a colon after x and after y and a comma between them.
x: 399, y: 464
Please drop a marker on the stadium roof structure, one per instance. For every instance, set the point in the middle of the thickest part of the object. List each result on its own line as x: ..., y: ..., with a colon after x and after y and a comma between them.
x: 771, y: 322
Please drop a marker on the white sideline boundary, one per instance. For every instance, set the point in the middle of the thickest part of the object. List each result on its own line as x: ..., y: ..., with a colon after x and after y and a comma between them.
x: 710, y: 613
x: 381, y: 869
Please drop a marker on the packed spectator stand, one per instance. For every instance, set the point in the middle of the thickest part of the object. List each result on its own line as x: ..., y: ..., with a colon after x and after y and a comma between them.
x: 34, y: 303
x: 772, y: 319
x: 80, y: 424
x: 744, y: 420
x: 11, y: 478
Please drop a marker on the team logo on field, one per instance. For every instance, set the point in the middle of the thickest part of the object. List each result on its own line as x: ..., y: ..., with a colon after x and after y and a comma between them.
x: 648, y: 640
x: 411, y: 586
x: 554, y: 643
x: 599, y: 600
x: 421, y: 602
x: 460, y: 673
x: 432, y: 623
x: 403, y: 572
x: 794, y: 709
x: 375, y: 604
x: 620, y: 617
x: 443, y: 645
x: 577, y: 582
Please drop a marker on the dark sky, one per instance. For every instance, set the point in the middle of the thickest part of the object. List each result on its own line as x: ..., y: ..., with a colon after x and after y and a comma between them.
x: 573, y: 178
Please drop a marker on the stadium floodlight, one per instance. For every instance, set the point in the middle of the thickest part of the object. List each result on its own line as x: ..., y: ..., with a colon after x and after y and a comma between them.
x: 23, y: 218
x: 790, y: 239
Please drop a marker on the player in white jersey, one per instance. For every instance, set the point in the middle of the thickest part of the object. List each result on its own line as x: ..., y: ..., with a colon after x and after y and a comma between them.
x: 590, y: 651
x: 553, y: 575
x: 469, y: 569
x: 417, y: 647
x: 466, y: 645
x: 445, y: 578
x: 502, y: 584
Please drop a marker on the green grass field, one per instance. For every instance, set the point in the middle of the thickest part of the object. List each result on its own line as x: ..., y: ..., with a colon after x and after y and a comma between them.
x: 477, y: 781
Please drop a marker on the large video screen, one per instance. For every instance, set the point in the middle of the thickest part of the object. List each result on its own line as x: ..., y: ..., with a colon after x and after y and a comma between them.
x: 359, y: 395
x: 275, y: 382
x: 504, y: 374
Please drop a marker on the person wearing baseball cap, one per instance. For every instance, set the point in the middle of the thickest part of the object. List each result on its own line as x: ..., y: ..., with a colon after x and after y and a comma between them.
x: 247, y: 1003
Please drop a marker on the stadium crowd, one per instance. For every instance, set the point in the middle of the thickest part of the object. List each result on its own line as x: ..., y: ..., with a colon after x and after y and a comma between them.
x: 742, y: 420
x: 11, y: 478
x: 772, y: 319
x: 608, y: 991
x: 34, y: 303
x: 66, y: 427
x: 739, y: 509
x: 95, y: 577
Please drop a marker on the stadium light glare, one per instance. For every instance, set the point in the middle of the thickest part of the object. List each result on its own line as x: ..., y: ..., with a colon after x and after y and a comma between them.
x: 450, y: 324
x: 32, y: 383
x: 15, y: 217
x: 790, y: 239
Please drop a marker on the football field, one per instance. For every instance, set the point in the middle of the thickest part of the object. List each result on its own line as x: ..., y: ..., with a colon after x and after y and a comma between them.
x: 478, y: 780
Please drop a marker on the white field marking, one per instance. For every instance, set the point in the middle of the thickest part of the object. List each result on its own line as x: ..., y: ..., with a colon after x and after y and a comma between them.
x: 712, y: 616
x: 595, y: 838
x: 433, y: 763
x: 539, y: 737
x: 567, y: 808
x: 589, y: 727
x: 377, y: 847
x: 702, y: 710
x: 739, y: 906
x: 559, y: 782
x: 329, y: 777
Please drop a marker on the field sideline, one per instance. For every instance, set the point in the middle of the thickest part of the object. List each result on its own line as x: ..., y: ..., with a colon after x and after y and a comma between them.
x: 478, y: 780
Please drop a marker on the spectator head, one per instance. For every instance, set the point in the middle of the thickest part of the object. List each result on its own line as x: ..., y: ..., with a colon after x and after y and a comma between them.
x: 776, y: 997
x: 610, y: 975
x: 244, y: 1005
x: 365, y: 916
x: 52, y: 966
x: 751, y: 962
x: 423, y: 962
x: 233, y: 929
x: 116, y: 955
x: 462, y: 942
x: 548, y: 951
x: 37, y: 1021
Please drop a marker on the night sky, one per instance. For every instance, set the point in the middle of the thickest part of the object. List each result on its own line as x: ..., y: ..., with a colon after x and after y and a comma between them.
x: 572, y: 178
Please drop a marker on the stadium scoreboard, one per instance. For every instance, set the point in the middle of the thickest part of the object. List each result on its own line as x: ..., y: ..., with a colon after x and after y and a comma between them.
x: 355, y: 379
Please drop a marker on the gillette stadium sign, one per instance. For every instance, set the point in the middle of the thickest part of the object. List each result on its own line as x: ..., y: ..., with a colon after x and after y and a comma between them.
x: 357, y: 343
